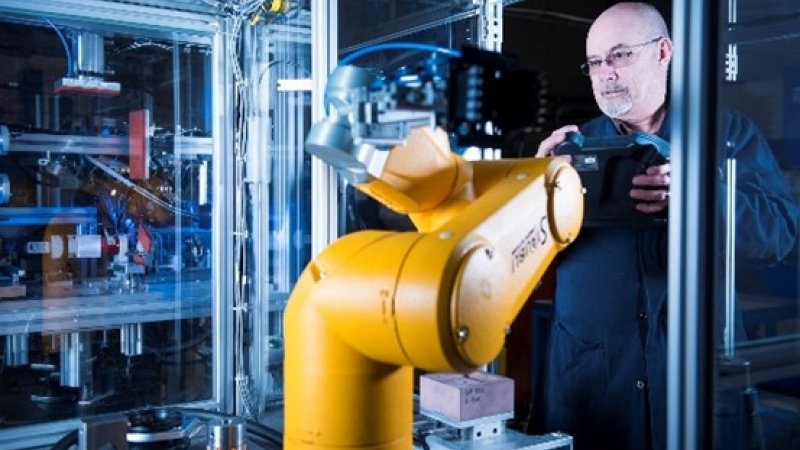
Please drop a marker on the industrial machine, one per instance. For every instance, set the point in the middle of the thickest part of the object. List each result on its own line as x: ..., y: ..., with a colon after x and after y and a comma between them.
x: 376, y: 304
x: 157, y: 208
x: 154, y: 213
x: 106, y: 195
x: 169, y: 429
x: 124, y: 219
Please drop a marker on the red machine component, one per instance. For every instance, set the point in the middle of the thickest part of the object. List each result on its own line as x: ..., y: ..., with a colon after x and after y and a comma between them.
x: 109, y: 245
x: 86, y: 85
x: 138, y: 144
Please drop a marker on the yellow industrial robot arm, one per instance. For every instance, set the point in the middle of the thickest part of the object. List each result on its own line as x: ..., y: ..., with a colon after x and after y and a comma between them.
x: 376, y: 304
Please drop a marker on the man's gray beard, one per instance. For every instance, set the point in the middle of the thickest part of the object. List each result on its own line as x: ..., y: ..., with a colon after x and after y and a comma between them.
x: 616, y: 109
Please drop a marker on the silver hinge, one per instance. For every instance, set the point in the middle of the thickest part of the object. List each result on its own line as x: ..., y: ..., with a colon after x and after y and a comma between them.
x: 491, y: 25
x: 732, y: 63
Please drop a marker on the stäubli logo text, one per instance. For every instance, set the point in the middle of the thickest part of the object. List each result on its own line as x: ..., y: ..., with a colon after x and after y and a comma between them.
x: 535, y: 238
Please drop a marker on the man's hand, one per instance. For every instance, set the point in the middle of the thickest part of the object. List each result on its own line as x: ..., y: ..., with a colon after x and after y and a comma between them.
x: 656, y: 199
x: 547, y: 146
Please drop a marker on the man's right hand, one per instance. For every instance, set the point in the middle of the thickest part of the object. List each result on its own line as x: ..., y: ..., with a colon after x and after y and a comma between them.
x: 558, y: 136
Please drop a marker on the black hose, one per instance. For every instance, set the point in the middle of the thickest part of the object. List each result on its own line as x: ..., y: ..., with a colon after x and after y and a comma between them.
x: 420, y: 441
x: 262, y: 443
x: 66, y: 442
x: 265, y: 433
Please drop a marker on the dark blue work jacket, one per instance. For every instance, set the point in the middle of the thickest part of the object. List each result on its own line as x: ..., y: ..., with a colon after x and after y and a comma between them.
x: 606, y: 374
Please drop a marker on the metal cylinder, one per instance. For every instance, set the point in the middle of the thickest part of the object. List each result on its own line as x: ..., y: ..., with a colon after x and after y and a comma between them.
x: 16, y: 350
x: 90, y: 57
x: 227, y: 434
x: 74, y: 352
x: 84, y: 246
x: 130, y: 339
x: 5, y: 139
x: 5, y: 189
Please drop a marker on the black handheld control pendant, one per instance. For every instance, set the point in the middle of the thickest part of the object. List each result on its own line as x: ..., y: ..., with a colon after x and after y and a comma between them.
x: 607, y: 166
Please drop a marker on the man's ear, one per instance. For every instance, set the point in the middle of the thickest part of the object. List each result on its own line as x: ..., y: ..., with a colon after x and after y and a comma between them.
x: 665, y: 51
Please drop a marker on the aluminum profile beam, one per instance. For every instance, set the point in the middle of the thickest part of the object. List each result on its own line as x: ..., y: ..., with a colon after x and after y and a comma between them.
x: 117, y: 14
x: 223, y: 218
x: 324, y: 182
x: 692, y: 265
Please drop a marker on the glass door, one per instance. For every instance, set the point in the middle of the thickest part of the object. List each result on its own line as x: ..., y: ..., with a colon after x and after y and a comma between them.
x: 758, y: 189
x: 273, y: 195
x: 106, y: 238
x: 734, y: 361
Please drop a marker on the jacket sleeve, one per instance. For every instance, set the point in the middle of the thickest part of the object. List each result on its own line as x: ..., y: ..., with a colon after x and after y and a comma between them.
x: 766, y: 214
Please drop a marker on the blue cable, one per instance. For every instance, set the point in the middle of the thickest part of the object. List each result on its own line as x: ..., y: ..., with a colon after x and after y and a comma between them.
x: 64, y: 43
x: 398, y: 46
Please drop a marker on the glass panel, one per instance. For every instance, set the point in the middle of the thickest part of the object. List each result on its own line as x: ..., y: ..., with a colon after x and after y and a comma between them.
x: 365, y: 23
x: 277, y: 196
x: 446, y: 24
x: 105, y: 221
x: 759, y: 321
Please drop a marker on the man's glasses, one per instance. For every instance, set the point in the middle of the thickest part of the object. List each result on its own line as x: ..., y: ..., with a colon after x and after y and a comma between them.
x: 620, y: 57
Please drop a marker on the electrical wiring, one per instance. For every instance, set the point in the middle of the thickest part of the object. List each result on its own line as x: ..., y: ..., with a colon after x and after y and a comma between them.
x: 240, y: 12
x: 242, y: 94
x: 146, y: 43
x: 64, y: 43
x: 245, y: 95
x: 138, y: 189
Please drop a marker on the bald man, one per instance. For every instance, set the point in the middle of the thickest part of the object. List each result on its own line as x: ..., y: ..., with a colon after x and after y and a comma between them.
x: 606, y: 374
x: 628, y: 53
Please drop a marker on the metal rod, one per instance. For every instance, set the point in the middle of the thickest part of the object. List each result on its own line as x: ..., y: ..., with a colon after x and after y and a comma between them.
x: 131, y: 339
x: 730, y: 261
x: 692, y: 265
x: 96, y: 145
x: 16, y: 350
x: 222, y: 172
x: 324, y: 182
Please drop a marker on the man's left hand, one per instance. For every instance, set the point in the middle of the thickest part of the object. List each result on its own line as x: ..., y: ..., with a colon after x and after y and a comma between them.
x: 656, y: 197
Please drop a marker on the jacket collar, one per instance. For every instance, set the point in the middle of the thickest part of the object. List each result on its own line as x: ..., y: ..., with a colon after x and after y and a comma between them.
x: 615, y: 126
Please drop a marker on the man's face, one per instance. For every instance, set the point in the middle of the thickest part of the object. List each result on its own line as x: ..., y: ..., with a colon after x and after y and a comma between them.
x: 633, y: 91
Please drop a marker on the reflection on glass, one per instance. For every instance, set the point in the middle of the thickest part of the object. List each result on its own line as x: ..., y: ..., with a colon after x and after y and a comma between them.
x: 444, y: 24
x: 105, y: 221
x: 365, y: 23
x: 759, y: 321
x: 276, y: 200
